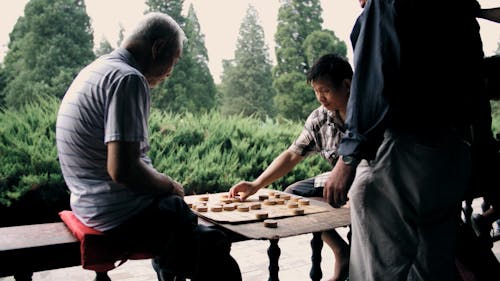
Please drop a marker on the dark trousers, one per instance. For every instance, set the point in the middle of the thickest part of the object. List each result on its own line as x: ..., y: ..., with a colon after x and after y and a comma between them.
x: 182, y: 248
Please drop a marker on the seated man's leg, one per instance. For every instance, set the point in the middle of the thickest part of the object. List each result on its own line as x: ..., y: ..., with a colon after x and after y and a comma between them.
x: 340, y: 248
x: 216, y: 263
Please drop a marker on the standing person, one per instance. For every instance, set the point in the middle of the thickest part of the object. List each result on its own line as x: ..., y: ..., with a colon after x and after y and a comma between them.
x: 330, y: 77
x: 102, y: 141
x: 416, y: 66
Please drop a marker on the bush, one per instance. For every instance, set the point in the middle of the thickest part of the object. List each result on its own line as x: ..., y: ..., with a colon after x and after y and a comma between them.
x: 206, y: 153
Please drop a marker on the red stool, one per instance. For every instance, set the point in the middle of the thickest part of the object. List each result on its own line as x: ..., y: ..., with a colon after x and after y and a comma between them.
x: 99, y: 252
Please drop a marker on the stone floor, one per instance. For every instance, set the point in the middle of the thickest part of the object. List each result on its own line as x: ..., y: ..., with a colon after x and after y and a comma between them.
x: 251, y: 255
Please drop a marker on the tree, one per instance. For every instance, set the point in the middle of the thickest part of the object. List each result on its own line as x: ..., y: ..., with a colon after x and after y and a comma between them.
x: 321, y: 42
x: 191, y: 86
x: 247, y: 80
x: 48, y: 46
x: 299, y: 42
x: 296, y: 20
x: 104, y: 48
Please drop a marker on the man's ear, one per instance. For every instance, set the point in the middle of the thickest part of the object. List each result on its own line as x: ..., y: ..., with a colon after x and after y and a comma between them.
x: 157, y: 48
x: 347, y: 84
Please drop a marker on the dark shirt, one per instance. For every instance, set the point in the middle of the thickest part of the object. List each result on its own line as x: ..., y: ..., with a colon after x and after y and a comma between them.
x: 415, y: 70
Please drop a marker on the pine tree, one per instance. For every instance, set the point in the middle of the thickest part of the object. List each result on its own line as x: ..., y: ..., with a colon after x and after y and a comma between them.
x: 104, y: 48
x: 191, y: 86
x: 47, y: 47
x: 247, y: 81
x: 299, y: 42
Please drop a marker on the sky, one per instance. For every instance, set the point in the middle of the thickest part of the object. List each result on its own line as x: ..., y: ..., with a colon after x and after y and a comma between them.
x: 220, y: 21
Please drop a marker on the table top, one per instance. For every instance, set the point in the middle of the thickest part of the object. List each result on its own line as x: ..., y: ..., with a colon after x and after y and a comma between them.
x: 291, y: 225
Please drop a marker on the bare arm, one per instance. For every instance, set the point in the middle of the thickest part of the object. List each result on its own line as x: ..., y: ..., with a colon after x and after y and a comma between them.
x: 492, y: 14
x: 280, y: 166
x: 126, y: 167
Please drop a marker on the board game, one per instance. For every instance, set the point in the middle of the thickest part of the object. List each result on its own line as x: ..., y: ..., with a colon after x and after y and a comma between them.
x: 265, y: 204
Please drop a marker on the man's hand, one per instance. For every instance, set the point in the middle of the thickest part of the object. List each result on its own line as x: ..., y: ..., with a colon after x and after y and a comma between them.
x: 338, y: 183
x: 244, y: 189
x: 177, y: 189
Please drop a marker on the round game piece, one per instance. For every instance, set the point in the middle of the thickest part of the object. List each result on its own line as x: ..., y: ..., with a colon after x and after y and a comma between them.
x: 255, y: 206
x: 227, y: 201
x: 271, y: 223
x: 243, y: 208
x: 229, y: 207
x: 298, y: 211
x: 292, y: 205
x: 296, y: 199
x: 263, y: 197
x: 261, y: 215
x: 272, y: 193
x: 269, y: 202
x: 285, y: 196
x: 216, y: 208
x: 303, y: 202
x: 224, y: 196
x: 277, y: 195
x: 236, y: 199
x: 201, y: 209
x: 280, y: 201
x: 203, y: 198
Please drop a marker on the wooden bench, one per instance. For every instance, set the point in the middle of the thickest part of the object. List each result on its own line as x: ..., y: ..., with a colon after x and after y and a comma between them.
x: 30, y: 248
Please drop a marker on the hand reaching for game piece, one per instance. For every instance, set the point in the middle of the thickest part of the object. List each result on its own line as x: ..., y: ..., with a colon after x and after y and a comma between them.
x: 243, y: 189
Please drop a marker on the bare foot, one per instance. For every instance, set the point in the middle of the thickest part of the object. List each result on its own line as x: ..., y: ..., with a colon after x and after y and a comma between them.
x: 341, y: 269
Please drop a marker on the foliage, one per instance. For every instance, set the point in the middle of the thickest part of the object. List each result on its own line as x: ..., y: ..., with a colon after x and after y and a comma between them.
x: 246, y: 81
x: 206, y: 152
x: 296, y: 53
x: 191, y: 87
x: 322, y: 42
x: 104, y: 48
x: 27, y: 149
x: 47, y: 47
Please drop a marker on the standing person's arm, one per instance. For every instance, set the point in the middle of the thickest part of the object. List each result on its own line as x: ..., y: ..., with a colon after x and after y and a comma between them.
x: 376, y: 64
x: 280, y: 166
x: 492, y: 14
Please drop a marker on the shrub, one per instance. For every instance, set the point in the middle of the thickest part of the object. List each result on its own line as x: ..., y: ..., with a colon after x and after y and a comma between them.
x: 206, y: 153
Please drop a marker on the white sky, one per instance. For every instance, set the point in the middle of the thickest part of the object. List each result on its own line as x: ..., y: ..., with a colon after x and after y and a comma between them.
x: 220, y: 21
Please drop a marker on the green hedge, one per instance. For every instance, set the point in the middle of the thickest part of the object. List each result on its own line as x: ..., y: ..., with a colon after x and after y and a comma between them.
x: 206, y: 153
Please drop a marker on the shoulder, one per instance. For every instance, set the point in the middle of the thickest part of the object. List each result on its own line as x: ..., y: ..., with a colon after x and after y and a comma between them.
x: 317, y: 118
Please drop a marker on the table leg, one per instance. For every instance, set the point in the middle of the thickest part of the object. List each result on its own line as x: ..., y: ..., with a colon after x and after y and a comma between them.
x: 274, y: 253
x: 316, y: 246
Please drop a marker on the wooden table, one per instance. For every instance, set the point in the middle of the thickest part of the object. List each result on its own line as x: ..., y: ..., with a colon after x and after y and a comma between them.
x: 288, y: 226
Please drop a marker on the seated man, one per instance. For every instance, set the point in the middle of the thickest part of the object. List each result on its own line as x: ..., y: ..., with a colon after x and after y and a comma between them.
x: 102, y: 141
x: 330, y: 77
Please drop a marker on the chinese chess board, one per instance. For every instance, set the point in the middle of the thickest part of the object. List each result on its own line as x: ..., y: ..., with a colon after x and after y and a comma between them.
x: 265, y: 204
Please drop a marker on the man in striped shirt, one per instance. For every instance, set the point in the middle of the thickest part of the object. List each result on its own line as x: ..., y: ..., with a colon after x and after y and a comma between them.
x: 102, y: 141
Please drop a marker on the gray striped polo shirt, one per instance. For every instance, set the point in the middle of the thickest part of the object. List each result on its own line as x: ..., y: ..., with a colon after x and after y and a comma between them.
x: 108, y: 101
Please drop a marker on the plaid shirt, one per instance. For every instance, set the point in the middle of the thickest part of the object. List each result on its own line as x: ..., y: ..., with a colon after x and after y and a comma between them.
x: 321, y: 134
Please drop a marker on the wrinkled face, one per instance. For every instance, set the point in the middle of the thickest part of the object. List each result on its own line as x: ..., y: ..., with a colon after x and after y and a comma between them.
x: 332, y: 98
x: 161, y: 69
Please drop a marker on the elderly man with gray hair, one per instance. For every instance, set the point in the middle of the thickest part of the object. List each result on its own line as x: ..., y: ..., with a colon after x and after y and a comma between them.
x: 102, y: 141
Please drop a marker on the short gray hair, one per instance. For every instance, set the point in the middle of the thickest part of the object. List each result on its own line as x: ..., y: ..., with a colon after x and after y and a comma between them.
x: 155, y: 26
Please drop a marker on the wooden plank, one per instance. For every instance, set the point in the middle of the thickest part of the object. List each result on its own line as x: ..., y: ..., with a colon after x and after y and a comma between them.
x: 37, y: 247
x: 36, y: 235
x: 292, y: 226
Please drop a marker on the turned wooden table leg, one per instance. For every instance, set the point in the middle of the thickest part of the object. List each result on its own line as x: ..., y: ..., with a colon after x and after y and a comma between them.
x: 274, y: 253
x: 102, y: 276
x: 316, y: 246
x: 23, y: 276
